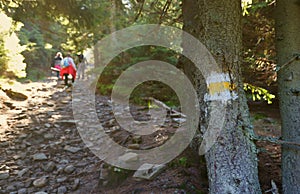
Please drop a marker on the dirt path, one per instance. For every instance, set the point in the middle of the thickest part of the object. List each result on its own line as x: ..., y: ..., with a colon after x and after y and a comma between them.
x: 40, y: 147
x: 266, y: 122
x: 41, y: 151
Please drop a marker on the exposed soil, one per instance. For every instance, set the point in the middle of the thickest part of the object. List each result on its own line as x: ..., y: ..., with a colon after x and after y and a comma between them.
x: 41, y: 149
x: 266, y: 122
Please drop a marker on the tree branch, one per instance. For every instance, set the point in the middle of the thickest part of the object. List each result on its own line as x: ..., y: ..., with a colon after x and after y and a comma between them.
x: 164, y: 10
x: 140, y: 11
x: 295, y: 57
x: 275, y: 140
x: 159, y: 103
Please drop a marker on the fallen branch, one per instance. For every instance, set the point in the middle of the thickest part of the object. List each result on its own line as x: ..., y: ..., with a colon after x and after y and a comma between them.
x: 274, y: 188
x: 295, y: 57
x: 275, y: 140
x: 159, y: 103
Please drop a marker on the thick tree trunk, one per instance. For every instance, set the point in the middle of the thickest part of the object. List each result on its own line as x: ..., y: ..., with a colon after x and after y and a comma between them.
x: 232, y: 161
x: 288, y: 44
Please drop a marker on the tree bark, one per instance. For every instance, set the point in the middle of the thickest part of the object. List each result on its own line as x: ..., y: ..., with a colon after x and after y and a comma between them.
x: 232, y: 161
x: 287, y: 45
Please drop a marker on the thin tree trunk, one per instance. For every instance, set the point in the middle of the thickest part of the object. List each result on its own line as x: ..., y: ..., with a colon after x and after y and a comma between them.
x: 111, y: 28
x: 288, y: 44
x: 97, y: 56
x: 232, y: 161
x: 113, y: 21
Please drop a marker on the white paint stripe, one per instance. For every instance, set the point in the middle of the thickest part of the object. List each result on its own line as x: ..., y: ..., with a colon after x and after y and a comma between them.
x: 217, y: 77
x: 223, y: 96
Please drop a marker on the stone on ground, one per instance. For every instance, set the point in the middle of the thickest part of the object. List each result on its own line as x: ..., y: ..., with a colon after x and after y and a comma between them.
x: 148, y: 171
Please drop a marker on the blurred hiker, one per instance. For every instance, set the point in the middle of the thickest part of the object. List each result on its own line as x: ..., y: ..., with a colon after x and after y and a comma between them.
x: 57, y: 63
x: 68, y: 68
x: 81, y: 66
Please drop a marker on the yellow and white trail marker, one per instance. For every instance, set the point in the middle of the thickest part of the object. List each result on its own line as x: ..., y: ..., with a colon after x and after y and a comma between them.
x: 219, y: 88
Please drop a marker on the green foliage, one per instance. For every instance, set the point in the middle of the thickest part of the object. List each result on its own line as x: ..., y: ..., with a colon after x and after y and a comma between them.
x: 162, y: 12
x: 118, y: 169
x: 151, y: 105
x: 42, y: 42
x: 35, y: 74
x: 180, y: 162
x: 254, y: 5
x: 11, y: 64
x: 74, y: 26
x: 148, y: 89
x: 259, y: 93
x: 259, y: 43
x: 183, y: 161
x: 258, y: 116
x: 84, y: 21
x: 105, y: 89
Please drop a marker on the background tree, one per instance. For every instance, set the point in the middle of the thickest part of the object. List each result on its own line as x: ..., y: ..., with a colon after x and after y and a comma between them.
x: 288, y: 47
x: 11, y: 60
x: 3, y: 59
x: 69, y: 26
x: 231, y: 162
x: 259, y: 44
x: 74, y: 25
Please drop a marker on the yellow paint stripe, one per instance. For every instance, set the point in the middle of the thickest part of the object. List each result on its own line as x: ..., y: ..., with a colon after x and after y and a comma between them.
x: 219, y: 87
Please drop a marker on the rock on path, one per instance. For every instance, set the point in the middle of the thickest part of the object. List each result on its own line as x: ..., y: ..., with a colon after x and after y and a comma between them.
x: 41, y: 150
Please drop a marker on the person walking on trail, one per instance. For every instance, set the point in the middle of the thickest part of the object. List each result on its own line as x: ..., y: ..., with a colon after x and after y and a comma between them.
x: 81, y: 66
x: 68, y: 68
x: 57, y: 63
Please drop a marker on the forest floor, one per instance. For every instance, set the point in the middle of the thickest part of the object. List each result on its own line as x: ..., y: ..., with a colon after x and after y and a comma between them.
x: 41, y: 150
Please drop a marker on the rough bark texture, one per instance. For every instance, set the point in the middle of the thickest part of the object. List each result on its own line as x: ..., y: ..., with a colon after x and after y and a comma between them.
x: 288, y: 44
x: 232, y: 161
x: 193, y: 26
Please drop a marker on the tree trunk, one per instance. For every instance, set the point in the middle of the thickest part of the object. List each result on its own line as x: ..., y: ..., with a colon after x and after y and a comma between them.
x: 232, y: 161
x: 113, y: 21
x: 288, y: 44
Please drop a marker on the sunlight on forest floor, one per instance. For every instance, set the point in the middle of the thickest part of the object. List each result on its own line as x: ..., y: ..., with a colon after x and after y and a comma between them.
x: 12, y: 45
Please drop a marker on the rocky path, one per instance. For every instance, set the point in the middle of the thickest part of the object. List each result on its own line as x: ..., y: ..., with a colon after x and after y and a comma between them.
x: 41, y: 150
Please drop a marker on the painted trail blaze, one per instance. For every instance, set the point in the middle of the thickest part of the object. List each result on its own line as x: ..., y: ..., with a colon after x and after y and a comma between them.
x: 219, y: 87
